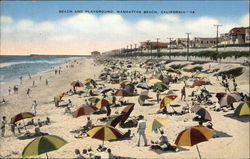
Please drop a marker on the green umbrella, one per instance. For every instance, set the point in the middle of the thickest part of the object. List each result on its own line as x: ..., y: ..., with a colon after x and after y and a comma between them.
x: 43, y: 144
x: 160, y: 86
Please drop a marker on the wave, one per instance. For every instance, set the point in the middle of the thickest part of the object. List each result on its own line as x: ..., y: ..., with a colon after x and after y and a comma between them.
x: 2, y: 65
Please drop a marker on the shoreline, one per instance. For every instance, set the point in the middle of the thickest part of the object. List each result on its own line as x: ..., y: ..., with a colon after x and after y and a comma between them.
x: 5, y: 85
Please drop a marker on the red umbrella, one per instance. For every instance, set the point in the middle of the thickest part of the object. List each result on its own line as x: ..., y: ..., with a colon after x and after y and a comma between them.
x: 121, y: 93
x: 220, y: 95
x: 77, y: 84
x: 126, y: 112
x: 199, y: 83
x: 84, y: 110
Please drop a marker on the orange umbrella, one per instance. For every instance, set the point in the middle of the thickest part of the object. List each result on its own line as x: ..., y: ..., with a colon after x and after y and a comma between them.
x: 167, y: 100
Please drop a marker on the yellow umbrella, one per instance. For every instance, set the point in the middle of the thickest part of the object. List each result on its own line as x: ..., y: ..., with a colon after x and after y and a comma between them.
x: 156, y: 124
x: 202, y: 75
x: 153, y: 81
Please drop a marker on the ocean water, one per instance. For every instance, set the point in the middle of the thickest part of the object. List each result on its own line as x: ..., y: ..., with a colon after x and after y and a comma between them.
x: 12, y: 67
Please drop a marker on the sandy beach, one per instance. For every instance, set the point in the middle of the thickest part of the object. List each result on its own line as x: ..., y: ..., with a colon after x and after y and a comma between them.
x: 233, y: 133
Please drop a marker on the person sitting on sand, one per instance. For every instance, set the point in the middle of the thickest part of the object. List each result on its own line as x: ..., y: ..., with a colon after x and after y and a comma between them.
x: 111, y: 156
x: 78, y: 154
x: 67, y: 110
x: 163, y: 144
x: 31, y: 122
x: 89, y: 125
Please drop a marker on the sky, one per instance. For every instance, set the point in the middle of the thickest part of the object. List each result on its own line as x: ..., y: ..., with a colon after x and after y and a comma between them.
x: 54, y: 27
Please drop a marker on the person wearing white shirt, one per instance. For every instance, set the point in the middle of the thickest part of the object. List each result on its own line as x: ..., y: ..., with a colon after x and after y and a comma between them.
x: 141, y: 130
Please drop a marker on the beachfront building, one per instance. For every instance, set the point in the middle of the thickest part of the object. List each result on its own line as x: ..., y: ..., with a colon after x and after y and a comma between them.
x: 204, y: 42
x: 95, y: 54
x: 237, y: 35
x: 224, y: 39
x: 247, y: 36
x: 148, y: 45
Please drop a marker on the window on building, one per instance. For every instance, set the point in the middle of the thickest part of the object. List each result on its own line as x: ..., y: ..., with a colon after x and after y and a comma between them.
x: 202, y: 42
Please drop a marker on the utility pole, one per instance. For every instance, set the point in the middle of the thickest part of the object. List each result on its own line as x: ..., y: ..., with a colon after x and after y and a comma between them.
x: 217, y: 38
x: 158, y: 47
x: 127, y: 51
x: 148, y: 42
x: 187, y: 45
x: 131, y: 50
x: 170, y: 39
x: 135, y: 48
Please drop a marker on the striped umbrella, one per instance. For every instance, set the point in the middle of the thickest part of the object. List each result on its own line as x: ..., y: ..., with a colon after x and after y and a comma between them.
x: 242, y: 109
x: 84, y: 110
x: 76, y: 84
x: 193, y: 136
x: 202, y: 112
x: 21, y: 116
x: 160, y: 86
x: 156, y: 124
x: 102, y: 103
x: 126, y: 112
x: 43, y: 144
x: 104, y: 133
x: 230, y: 98
x: 167, y: 100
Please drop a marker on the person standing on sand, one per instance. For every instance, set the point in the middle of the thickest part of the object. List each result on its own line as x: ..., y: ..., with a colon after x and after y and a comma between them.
x: 9, y: 90
x: 28, y: 92
x: 21, y: 79
x: 46, y: 82
x: 34, y: 105
x: 33, y: 84
x: 141, y: 131
x: 183, y: 93
x: 158, y: 95
x: 4, y: 122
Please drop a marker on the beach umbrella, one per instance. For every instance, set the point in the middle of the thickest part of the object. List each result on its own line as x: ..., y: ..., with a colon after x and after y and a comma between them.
x: 114, y: 120
x: 230, y: 98
x: 21, y: 116
x: 93, y: 99
x: 202, y: 75
x: 43, y: 144
x: 104, y: 133
x: 160, y: 86
x: 129, y: 89
x: 121, y: 93
x: 199, y: 83
x: 115, y: 76
x: 193, y: 136
x: 102, y: 103
x: 153, y: 81
x: 126, y: 112
x: 202, y: 112
x: 76, y: 84
x: 242, y: 109
x: 142, y: 86
x: 156, y: 124
x: 84, y: 110
x: 219, y: 95
x: 167, y: 100
x: 125, y: 83
x: 142, y: 98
